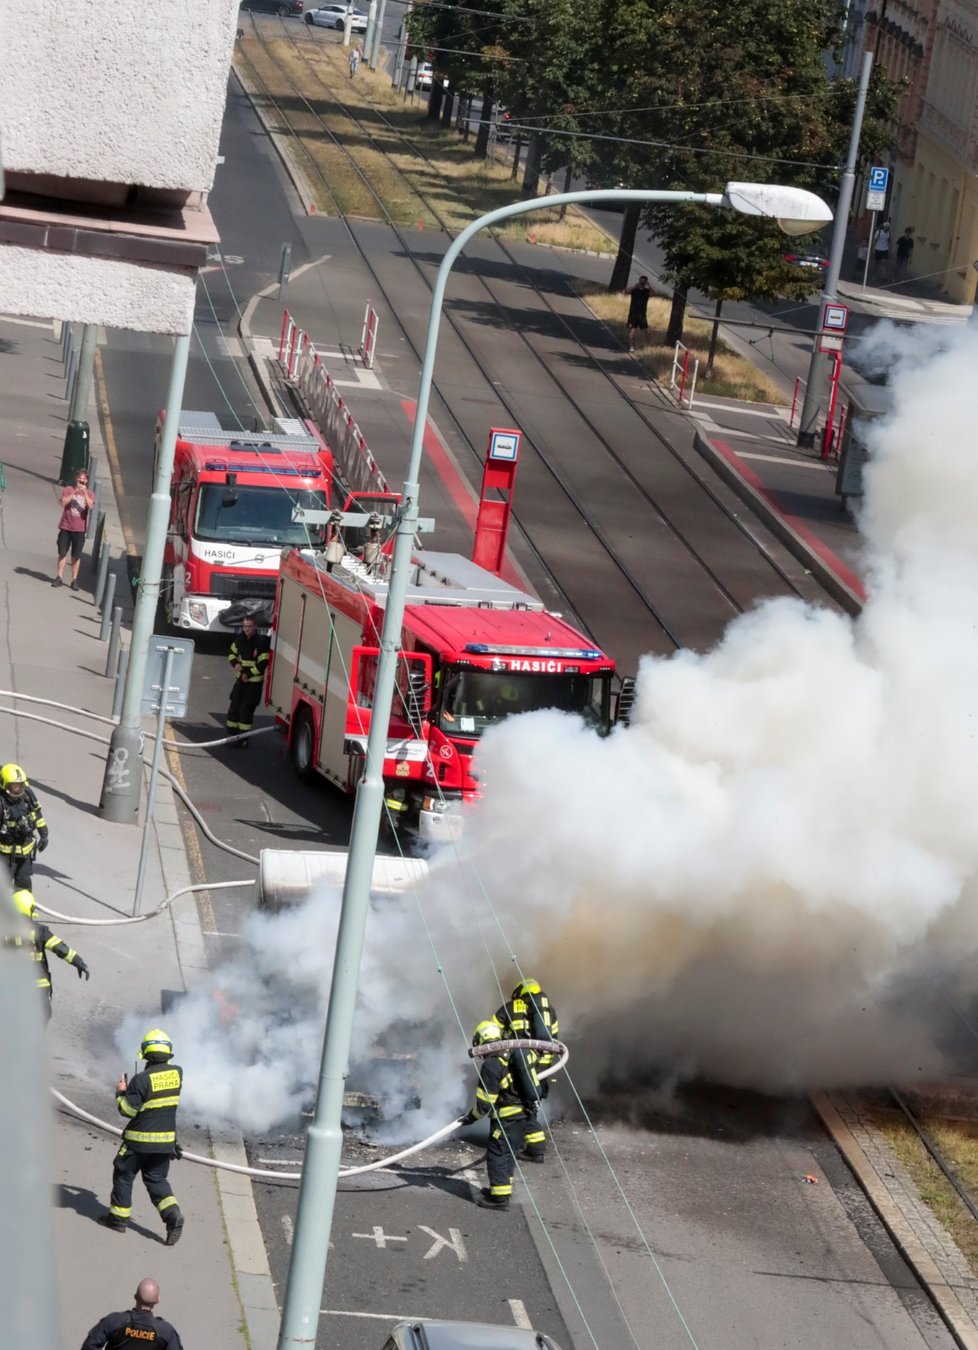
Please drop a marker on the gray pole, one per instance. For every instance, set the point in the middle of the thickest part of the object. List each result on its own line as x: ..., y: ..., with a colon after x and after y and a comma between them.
x: 378, y: 33
x: 82, y: 395
x: 324, y: 1141
x: 123, y: 768
x: 153, y: 775
x: 818, y: 366
x: 401, y: 50
x: 368, y: 37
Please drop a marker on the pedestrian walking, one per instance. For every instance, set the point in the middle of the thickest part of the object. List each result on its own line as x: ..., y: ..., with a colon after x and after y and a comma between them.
x: 529, y: 1015
x: 501, y: 1096
x: 354, y: 61
x: 149, y: 1142
x: 638, y: 306
x: 76, y: 503
x: 904, y: 253
x: 138, y: 1326
x: 23, y: 829
x: 41, y: 942
x: 248, y: 658
x: 881, y: 248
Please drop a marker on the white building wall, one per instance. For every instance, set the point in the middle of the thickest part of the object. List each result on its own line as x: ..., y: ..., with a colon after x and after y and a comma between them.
x: 124, y: 91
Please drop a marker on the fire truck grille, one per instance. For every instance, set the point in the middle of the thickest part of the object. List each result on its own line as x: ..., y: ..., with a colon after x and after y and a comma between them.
x: 230, y: 587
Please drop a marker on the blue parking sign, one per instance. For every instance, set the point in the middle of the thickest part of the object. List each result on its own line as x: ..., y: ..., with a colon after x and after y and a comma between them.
x: 878, y: 179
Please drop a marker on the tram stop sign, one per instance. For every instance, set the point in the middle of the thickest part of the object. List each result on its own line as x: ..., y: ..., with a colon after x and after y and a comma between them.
x: 175, y: 704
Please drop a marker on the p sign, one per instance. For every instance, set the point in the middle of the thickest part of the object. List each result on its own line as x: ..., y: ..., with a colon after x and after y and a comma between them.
x: 879, y: 181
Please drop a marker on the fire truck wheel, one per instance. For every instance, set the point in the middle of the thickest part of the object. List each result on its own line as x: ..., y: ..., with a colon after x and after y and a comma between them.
x: 303, y: 747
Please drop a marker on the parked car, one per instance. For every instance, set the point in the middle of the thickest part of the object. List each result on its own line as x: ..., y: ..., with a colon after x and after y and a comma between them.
x: 283, y: 7
x: 334, y: 16
x: 465, y: 1336
x: 816, y: 261
x: 424, y: 77
x: 503, y: 125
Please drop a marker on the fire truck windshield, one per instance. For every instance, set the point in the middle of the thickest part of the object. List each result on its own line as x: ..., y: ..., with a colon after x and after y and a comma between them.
x: 256, y: 515
x: 475, y: 699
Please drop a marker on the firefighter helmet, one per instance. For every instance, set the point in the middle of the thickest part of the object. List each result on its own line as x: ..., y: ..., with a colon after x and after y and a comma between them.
x: 527, y: 987
x: 156, y: 1045
x: 487, y: 1031
x: 24, y: 901
x: 13, y: 780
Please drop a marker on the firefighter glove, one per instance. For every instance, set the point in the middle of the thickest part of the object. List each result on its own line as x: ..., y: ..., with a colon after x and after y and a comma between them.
x: 42, y: 842
x: 177, y: 1151
x: 82, y: 969
x: 469, y: 1118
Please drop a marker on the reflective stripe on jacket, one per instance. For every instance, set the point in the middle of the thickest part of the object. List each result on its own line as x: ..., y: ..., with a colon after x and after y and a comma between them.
x: 150, y: 1102
x: 41, y: 940
x: 251, y: 654
x: 498, y: 1089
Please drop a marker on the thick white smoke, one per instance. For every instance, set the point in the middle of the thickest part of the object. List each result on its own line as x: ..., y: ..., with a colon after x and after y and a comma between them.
x: 767, y: 879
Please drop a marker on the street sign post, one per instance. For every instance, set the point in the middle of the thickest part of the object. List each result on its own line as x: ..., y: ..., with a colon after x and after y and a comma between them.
x: 836, y: 318
x: 879, y: 181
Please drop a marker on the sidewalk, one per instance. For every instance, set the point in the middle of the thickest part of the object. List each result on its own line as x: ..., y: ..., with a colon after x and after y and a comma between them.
x: 52, y: 651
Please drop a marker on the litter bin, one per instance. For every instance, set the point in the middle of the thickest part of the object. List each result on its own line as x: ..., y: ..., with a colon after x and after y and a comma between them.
x: 74, y: 456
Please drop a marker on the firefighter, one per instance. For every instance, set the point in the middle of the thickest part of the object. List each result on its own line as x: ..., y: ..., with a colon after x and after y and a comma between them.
x: 249, y: 660
x: 42, y: 940
x: 20, y: 821
x: 149, y: 1140
x: 529, y: 1014
x: 501, y: 1096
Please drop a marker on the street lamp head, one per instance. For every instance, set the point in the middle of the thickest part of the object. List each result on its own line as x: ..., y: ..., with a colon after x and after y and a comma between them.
x: 796, y: 210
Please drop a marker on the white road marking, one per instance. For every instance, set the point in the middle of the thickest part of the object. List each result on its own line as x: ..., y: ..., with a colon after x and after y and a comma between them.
x: 287, y: 1228
x: 379, y: 1237
x: 520, y: 1316
x: 453, y: 1242
x: 377, y: 1317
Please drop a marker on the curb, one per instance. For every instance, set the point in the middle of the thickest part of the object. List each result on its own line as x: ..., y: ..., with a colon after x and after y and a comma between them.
x: 839, y: 580
x: 280, y: 145
x: 910, y: 1247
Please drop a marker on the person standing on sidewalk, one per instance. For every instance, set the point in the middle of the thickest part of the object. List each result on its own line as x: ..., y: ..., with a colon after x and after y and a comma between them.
x: 149, y: 1141
x: 21, y: 819
x: 139, y: 1325
x: 904, y: 252
x: 638, y: 307
x: 881, y: 250
x: 76, y: 504
x: 249, y: 660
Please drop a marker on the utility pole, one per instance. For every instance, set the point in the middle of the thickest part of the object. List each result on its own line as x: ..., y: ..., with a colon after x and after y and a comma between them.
x: 819, y: 371
x: 378, y: 35
x: 368, y: 37
x: 121, y: 785
x: 82, y: 395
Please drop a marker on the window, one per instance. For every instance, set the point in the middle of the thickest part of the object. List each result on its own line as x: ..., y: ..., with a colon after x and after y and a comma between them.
x: 476, y: 699
x: 257, y: 515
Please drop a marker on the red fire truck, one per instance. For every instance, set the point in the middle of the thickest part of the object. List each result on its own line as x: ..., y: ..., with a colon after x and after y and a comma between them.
x: 233, y: 495
x: 474, y: 650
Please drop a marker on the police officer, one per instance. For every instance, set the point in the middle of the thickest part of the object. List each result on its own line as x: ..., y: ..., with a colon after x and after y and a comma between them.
x: 249, y: 660
x: 138, y: 1326
x: 149, y: 1140
x: 20, y: 820
x: 501, y: 1095
x: 41, y: 940
x: 529, y: 1015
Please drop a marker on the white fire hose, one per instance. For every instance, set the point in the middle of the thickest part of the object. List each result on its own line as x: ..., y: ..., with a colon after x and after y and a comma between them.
x: 476, y: 1052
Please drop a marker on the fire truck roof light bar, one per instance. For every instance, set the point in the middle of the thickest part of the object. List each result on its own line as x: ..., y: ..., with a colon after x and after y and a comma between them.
x: 568, y: 653
x: 279, y: 470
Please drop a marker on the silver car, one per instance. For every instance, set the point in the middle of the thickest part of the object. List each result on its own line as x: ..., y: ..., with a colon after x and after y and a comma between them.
x: 465, y: 1336
x: 334, y: 16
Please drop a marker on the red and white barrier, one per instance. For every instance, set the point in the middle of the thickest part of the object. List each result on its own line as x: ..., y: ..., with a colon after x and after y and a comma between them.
x: 681, y: 366
x: 368, y: 336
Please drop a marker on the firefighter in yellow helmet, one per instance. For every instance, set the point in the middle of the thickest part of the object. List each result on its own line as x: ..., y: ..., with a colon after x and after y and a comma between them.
x: 23, y: 829
x: 507, y: 1100
x: 149, y: 1103
x: 529, y: 1014
x: 40, y: 941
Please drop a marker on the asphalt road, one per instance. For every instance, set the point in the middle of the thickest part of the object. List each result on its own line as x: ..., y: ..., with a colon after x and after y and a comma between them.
x: 724, y: 1244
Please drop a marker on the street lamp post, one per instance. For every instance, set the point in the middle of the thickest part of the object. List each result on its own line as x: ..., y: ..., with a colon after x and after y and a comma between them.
x: 795, y: 209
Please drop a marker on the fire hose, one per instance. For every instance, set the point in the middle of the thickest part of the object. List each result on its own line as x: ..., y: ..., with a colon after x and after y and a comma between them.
x: 475, y: 1052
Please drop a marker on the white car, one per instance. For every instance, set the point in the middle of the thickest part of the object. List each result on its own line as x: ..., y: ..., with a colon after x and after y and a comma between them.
x: 424, y: 76
x: 334, y: 16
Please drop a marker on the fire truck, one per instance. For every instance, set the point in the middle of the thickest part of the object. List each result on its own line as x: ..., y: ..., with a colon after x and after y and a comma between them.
x: 474, y: 650
x: 233, y: 496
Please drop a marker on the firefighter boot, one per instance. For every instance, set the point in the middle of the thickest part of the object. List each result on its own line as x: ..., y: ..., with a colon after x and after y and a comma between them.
x: 174, y: 1226
x: 487, y: 1200
x: 113, y: 1224
x: 534, y: 1155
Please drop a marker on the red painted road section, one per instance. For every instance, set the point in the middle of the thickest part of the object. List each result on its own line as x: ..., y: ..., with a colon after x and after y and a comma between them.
x: 456, y: 486
x: 804, y: 532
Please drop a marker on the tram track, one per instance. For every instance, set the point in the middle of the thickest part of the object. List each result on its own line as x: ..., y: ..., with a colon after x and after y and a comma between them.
x: 662, y: 519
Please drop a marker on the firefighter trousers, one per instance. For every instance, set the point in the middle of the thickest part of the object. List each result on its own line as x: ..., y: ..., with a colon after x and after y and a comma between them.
x: 505, y: 1141
x: 126, y: 1167
x: 245, y: 697
x: 21, y: 868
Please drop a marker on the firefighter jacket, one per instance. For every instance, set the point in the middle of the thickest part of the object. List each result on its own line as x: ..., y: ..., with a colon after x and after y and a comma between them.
x: 41, y: 940
x: 532, y: 1016
x: 20, y: 820
x: 150, y: 1103
x: 135, y: 1328
x: 251, y: 654
x: 501, y: 1091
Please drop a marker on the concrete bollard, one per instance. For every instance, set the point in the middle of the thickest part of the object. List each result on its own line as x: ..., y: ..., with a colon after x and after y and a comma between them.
x: 107, y: 600
x: 103, y: 572
x: 98, y: 540
x: 120, y: 683
x: 112, y: 655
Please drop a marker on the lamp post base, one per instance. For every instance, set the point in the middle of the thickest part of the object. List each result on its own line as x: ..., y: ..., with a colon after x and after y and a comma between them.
x: 121, y: 786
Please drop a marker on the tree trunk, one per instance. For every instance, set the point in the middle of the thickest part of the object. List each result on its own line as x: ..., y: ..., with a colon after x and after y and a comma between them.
x: 714, y: 336
x: 467, y: 122
x: 448, y: 107
x: 626, y: 247
x: 677, y: 316
x: 485, y: 126
x: 518, y: 150
x: 435, y: 100
x: 531, y: 172
x: 568, y: 175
